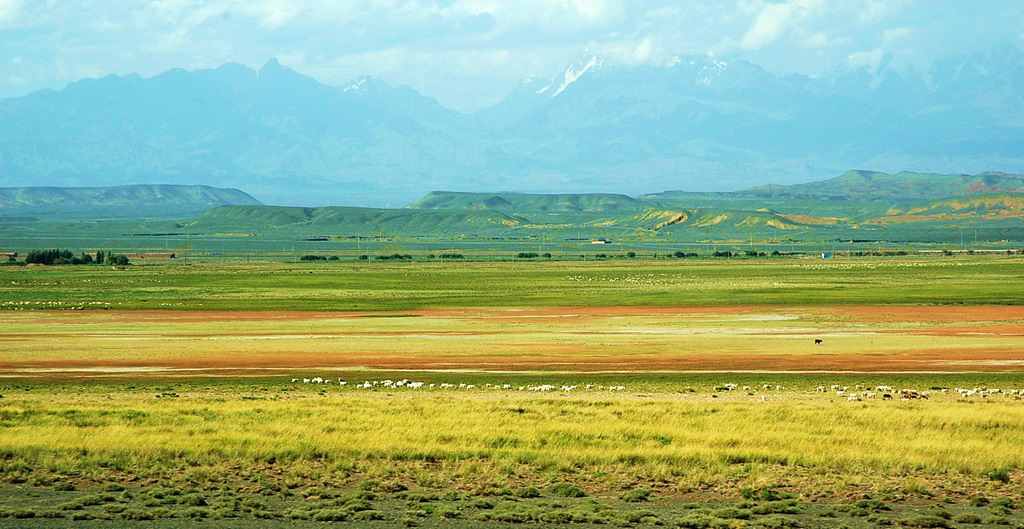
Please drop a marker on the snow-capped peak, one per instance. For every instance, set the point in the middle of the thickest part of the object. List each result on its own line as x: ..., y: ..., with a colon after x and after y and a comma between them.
x: 358, y: 85
x: 364, y: 84
x: 575, y: 72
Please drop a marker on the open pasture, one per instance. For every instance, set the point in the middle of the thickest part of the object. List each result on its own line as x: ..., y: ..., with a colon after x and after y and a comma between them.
x: 333, y: 286
x: 186, y: 398
x: 933, y: 339
x: 679, y: 450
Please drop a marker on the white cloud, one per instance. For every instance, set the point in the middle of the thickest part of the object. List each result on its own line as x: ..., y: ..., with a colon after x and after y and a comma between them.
x: 821, y: 40
x: 873, y: 11
x: 893, y: 34
x: 776, y: 20
x: 870, y: 59
x: 9, y: 11
x: 469, y: 52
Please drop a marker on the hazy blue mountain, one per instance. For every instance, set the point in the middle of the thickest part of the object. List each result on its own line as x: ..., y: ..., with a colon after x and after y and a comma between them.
x: 693, y: 123
x: 273, y: 131
x: 576, y: 203
x: 130, y: 201
x: 906, y: 186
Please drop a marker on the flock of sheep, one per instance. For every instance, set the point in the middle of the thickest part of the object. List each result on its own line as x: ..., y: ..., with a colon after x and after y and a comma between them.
x: 855, y: 393
x: 890, y: 393
x: 408, y: 384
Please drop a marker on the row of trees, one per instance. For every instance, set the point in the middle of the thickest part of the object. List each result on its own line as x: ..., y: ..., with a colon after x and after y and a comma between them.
x: 547, y: 255
x: 61, y: 257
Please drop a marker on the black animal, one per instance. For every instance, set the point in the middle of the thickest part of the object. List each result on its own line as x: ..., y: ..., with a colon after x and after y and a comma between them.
x: 817, y: 341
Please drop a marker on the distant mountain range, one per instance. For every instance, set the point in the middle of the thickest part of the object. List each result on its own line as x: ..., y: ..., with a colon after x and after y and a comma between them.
x: 693, y: 123
x: 856, y: 205
x: 131, y: 201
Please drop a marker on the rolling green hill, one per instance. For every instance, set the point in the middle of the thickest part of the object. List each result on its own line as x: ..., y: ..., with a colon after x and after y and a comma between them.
x: 349, y: 221
x: 860, y: 206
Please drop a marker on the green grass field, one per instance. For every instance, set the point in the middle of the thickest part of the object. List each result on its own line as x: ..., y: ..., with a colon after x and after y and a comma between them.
x: 377, y: 286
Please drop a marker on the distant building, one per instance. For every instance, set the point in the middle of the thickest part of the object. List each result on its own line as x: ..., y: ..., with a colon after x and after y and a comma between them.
x: 601, y: 240
x: 826, y: 255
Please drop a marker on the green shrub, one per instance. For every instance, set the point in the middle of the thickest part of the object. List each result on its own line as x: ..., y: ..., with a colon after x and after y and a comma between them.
x: 196, y: 513
x: 778, y: 522
x: 637, y: 495
x: 482, y: 503
x: 527, y: 492
x: 1001, y: 475
x: 966, y: 517
x: 872, y: 505
x: 702, y: 521
x: 391, y: 487
x: 777, y: 507
x: 556, y: 516
x: 194, y: 500
x: 17, y: 513
x: 924, y: 520
x: 63, y: 486
x: 452, y: 495
x: 511, y: 512
x: 370, y: 485
x: 566, y: 490
x: 447, y: 512
x: 1003, y: 502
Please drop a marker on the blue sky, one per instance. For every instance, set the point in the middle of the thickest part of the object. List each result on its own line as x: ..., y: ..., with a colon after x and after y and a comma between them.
x: 470, y: 53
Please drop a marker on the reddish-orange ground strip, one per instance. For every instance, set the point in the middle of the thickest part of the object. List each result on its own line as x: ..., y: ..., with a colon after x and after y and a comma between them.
x: 961, y: 321
x: 987, y: 360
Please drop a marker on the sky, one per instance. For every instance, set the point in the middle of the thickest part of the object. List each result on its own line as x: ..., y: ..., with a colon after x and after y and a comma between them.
x: 468, y: 54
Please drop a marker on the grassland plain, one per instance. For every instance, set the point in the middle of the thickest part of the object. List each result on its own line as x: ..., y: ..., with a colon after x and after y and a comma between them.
x: 965, y: 280
x: 122, y: 444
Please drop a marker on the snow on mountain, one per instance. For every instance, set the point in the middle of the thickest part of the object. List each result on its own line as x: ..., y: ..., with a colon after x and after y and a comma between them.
x: 576, y: 71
